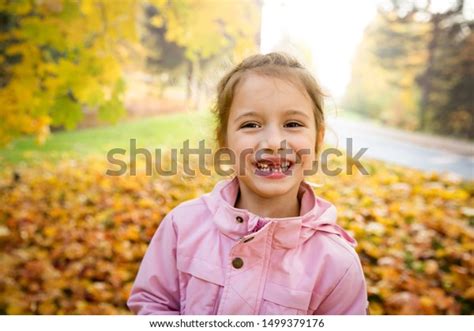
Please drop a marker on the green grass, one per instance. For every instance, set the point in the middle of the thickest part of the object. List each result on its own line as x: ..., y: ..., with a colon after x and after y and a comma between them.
x: 165, y: 131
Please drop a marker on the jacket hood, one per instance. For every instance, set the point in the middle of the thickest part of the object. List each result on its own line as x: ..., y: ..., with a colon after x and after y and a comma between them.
x: 316, y: 214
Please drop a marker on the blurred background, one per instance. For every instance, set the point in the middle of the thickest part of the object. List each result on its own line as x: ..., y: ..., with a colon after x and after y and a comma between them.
x: 79, y: 78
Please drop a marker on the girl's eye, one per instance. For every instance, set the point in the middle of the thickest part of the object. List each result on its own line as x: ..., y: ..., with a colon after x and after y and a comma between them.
x: 293, y: 124
x: 251, y: 125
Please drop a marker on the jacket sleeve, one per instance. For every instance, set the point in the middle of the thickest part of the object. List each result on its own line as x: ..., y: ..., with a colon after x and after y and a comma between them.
x: 156, y: 287
x: 349, y: 296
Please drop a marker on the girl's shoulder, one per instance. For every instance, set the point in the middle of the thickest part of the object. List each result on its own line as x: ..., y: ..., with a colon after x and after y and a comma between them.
x: 336, y: 249
x: 190, y: 211
x: 199, y: 209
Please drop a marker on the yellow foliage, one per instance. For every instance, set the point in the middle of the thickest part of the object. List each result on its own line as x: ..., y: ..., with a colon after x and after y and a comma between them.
x: 60, y: 43
x: 72, y: 53
x: 77, y: 236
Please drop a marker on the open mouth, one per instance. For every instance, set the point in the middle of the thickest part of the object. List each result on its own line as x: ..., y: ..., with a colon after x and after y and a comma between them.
x: 273, y: 168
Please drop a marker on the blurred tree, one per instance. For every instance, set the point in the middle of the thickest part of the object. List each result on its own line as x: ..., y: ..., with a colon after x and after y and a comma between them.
x: 438, y: 74
x: 61, y: 57
x: 447, y: 104
x: 58, y: 57
x: 412, y: 68
x: 400, y: 48
x: 163, y: 58
x: 209, y: 31
x: 385, y: 68
x: 461, y: 98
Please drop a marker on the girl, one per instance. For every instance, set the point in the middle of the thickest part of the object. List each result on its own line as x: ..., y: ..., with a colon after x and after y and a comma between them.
x: 261, y: 242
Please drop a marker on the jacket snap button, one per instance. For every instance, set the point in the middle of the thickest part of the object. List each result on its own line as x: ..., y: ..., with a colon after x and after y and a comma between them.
x: 237, y: 263
x: 239, y: 219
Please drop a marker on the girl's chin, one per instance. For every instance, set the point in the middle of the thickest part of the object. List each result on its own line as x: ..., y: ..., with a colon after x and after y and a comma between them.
x: 270, y: 188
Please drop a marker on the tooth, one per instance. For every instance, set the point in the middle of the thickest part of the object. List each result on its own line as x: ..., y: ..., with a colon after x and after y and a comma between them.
x: 263, y: 166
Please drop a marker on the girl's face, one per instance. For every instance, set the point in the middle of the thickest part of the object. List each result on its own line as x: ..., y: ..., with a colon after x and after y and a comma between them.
x: 272, y: 132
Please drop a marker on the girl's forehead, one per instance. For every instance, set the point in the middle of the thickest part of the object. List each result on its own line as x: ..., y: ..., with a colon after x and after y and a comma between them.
x: 263, y: 90
x: 251, y: 82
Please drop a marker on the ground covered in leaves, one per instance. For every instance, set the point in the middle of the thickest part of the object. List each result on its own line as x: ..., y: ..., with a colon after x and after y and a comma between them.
x: 72, y: 238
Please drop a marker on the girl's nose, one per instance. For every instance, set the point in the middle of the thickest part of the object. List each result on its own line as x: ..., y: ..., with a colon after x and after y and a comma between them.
x: 272, y: 139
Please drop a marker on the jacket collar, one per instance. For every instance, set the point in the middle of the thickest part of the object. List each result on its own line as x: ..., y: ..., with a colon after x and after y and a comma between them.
x: 316, y: 214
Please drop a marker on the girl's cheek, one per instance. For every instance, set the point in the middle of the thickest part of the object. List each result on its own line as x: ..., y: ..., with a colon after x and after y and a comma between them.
x: 308, y: 161
x: 242, y: 161
x: 303, y: 146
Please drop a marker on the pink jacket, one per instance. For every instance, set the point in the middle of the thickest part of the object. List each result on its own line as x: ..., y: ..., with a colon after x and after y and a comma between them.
x: 208, y: 257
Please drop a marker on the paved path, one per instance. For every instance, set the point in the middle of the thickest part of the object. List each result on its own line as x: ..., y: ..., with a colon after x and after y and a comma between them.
x: 415, y: 150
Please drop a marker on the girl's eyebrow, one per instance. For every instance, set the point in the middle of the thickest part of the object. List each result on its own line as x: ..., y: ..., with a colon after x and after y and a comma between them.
x: 297, y: 112
x: 247, y: 114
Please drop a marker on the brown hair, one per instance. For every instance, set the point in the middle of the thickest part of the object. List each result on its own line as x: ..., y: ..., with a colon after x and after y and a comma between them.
x: 276, y: 64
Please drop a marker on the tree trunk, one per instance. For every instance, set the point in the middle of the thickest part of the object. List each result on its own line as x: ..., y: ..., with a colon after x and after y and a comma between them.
x: 425, y: 81
x: 189, y: 79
